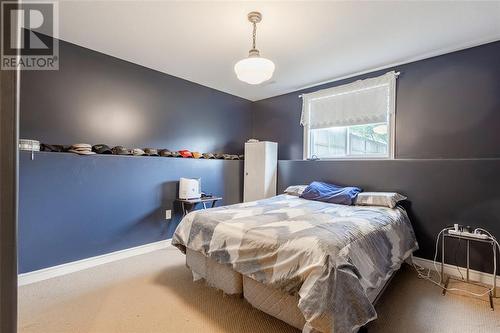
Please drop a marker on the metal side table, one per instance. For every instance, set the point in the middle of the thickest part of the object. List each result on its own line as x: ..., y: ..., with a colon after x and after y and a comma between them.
x: 467, y: 280
x: 188, y: 205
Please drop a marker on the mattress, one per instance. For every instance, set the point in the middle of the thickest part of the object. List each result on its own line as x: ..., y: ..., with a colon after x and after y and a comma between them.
x: 269, y: 300
x: 216, y: 275
x: 266, y: 299
x: 273, y: 302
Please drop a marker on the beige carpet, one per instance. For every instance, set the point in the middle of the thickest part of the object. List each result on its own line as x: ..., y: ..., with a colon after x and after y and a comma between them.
x: 155, y: 293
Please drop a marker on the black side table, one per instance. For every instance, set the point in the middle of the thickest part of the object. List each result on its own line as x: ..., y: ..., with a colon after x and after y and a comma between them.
x: 188, y: 205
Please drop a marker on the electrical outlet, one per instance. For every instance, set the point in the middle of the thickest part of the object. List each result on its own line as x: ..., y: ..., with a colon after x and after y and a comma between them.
x: 168, y: 214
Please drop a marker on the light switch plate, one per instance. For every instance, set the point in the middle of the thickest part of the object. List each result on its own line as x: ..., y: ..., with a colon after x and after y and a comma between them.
x: 168, y: 214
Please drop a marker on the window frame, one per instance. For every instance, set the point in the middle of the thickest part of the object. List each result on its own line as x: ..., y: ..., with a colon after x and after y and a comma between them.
x: 391, y: 126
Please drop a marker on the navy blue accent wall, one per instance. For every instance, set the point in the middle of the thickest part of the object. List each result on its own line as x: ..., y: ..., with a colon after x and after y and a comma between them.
x: 74, y: 207
x: 96, y: 98
x: 447, y: 145
x: 440, y: 192
x: 446, y: 107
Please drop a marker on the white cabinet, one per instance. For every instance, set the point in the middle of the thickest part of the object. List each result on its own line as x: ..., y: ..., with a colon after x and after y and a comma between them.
x: 261, y: 165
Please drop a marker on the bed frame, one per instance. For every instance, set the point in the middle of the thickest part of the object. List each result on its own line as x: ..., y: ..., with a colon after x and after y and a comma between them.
x: 266, y: 299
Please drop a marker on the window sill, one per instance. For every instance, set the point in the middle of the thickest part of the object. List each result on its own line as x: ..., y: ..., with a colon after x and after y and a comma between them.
x: 352, y: 159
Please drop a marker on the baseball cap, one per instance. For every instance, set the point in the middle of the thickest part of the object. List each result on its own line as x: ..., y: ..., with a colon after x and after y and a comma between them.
x: 81, y: 149
x: 52, y: 148
x: 227, y: 157
x: 185, y: 153
x: 120, y: 150
x: 176, y: 154
x: 208, y: 155
x: 151, y: 152
x: 165, y: 153
x: 138, y: 152
x: 101, y: 149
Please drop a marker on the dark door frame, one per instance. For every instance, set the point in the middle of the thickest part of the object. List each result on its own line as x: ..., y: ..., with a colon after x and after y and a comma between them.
x: 9, y: 131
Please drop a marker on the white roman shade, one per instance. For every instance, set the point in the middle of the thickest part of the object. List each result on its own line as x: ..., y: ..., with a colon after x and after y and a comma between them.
x: 362, y: 102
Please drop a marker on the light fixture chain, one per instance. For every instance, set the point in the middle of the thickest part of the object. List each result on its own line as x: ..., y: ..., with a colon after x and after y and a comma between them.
x: 254, y: 69
x: 254, y: 34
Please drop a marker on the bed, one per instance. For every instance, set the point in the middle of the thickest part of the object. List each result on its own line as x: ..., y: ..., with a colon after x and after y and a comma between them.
x: 315, y: 265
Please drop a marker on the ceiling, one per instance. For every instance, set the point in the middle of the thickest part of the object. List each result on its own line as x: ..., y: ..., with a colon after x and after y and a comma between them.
x: 310, y: 42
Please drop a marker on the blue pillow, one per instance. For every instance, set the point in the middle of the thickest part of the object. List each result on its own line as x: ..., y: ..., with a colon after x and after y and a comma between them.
x: 331, y: 193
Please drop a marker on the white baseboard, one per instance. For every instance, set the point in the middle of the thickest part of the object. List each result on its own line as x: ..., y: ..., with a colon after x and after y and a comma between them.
x: 75, y: 266
x: 451, y: 270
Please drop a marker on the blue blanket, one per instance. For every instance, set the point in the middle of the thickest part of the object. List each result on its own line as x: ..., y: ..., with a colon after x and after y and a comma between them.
x: 330, y: 193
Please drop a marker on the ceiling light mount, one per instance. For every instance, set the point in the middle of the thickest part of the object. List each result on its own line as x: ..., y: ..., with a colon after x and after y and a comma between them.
x: 254, y: 17
x: 254, y: 69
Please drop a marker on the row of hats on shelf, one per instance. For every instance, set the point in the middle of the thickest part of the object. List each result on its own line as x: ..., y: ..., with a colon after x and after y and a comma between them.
x: 86, y: 149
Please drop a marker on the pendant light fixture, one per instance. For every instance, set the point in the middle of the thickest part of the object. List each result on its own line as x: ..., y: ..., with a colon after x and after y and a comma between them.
x: 254, y: 69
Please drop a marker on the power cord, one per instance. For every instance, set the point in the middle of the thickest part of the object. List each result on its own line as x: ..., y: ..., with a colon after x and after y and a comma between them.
x: 420, y: 270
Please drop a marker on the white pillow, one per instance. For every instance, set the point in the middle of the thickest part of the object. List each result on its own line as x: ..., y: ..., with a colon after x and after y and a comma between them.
x: 385, y: 199
x: 295, y: 189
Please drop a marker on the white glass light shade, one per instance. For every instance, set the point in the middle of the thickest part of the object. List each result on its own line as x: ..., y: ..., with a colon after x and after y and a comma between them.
x: 254, y: 70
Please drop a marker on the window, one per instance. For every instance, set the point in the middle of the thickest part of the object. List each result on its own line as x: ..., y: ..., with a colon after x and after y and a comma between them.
x: 360, y: 140
x: 351, y: 121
